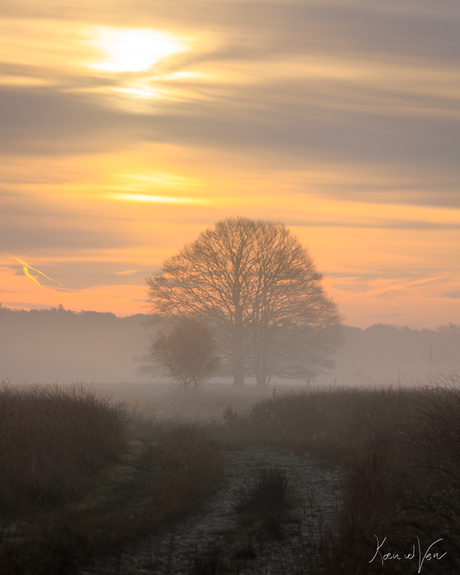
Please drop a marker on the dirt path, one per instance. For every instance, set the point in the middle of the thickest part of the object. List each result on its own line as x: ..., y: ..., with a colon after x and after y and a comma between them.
x: 315, y: 487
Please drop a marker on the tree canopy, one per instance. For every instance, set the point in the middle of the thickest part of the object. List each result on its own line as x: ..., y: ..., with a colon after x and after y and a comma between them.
x: 187, y: 354
x: 257, y: 287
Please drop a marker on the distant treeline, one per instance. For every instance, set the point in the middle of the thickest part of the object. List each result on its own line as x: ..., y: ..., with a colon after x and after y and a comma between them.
x: 59, y: 345
x: 387, y: 353
x: 60, y: 314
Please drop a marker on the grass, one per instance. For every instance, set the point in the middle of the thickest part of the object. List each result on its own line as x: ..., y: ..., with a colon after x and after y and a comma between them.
x: 187, y: 467
x: 81, y: 475
x: 53, y: 443
x: 210, y: 561
x: 75, y: 485
x: 400, y: 451
x: 265, y: 500
x: 399, y: 448
x: 324, y: 421
x: 402, y: 483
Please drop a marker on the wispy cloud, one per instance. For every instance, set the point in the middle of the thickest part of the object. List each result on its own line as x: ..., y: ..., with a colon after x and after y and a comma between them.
x: 396, y: 286
x: 339, y: 118
x: 156, y: 199
x: 27, y: 273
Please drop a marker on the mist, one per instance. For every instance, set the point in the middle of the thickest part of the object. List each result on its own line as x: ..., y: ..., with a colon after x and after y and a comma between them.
x: 62, y: 346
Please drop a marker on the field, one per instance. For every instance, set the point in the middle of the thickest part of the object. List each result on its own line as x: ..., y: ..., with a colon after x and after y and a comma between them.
x: 91, y: 484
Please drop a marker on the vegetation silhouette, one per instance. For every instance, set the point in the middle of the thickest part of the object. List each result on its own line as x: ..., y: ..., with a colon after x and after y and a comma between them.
x: 186, y: 354
x: 258, y: 289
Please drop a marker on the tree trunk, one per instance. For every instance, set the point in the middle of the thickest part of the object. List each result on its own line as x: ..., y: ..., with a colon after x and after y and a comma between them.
x: 263, y: 369
x: 262, y: 358
x: 238, y: 364
x: 257, y: 357
x: 238, y: 357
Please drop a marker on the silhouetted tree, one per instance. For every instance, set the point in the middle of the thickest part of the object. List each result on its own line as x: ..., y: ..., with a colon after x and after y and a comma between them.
x: 257, y: 286
x: 186, y: 354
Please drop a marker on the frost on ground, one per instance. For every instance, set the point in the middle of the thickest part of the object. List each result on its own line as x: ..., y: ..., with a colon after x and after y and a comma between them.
x: 214, y: 529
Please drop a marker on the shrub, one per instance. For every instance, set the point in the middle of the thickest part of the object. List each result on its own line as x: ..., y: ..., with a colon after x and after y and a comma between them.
x: 265, y: 500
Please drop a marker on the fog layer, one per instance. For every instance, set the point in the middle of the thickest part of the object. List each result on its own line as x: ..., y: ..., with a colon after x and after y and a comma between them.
x: 59, y: 346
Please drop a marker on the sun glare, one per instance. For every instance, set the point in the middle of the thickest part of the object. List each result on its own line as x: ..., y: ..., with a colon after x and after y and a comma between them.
x: 133, y: 50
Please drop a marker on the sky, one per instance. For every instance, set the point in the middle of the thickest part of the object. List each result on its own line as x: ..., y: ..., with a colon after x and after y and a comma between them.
x: 130, y: 126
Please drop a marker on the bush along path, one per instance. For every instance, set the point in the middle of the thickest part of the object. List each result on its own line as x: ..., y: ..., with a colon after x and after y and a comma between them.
x: 267, y: 515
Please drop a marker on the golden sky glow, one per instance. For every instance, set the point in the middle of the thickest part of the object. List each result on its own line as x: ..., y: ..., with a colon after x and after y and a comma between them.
x: 155, y: 199
x: 126, y: 132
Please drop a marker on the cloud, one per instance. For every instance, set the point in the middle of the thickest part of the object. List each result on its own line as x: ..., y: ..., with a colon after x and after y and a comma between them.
x: 26, y: 272
x: 291, y: 119
x: 375, y: 223
x: 453, y: 294
x: 148, y: 198
x: 414, y: 28
x: 364, y: 93
x: 316, y: 133
x: 58, y: 236
x: 79, y: 274
x: 289, y: 84
x: 420, y: 27
x: 400, y: 285
x: 29, y: 222
x: 47, y: 122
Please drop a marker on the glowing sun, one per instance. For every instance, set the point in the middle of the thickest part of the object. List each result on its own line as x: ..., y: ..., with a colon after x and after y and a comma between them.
x: 133, y: 50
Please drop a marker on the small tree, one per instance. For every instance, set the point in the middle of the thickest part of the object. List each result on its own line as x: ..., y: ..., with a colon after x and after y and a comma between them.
x: 186, y: 354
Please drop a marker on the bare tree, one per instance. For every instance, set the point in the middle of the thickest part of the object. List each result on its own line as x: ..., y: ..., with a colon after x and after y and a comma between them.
x: 187, y: 354
x: 210, y: 279
x: 257, y: 286
x: 296, y: 327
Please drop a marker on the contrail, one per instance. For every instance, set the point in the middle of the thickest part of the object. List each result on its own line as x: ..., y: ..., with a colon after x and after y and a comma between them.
x: 26, y: 271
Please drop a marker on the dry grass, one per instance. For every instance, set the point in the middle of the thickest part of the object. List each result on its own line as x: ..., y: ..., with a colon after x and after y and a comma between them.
x: 324, y: 421
x: 204, y: 406
x: 409, y: 485
x: 399, y: 448
x: 187, y: 467
x: 53, y: 442
x: 400, y: 451
x: 74, y: 486
x: 79, y: 477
